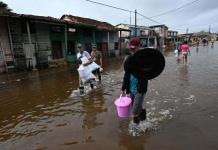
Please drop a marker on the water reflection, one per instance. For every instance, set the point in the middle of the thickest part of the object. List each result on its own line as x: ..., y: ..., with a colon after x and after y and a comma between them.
x: 184, y: 72
x: 92, y: 105
x: 132, y: 143
x: 30, y: 107
x: 168, y: 53
x: 197, y: 50
x: 38, y: 109
x: 179, y: 60
x: 212, y: 46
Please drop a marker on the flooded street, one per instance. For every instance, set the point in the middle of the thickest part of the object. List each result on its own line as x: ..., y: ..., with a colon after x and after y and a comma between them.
x: 41, y: 112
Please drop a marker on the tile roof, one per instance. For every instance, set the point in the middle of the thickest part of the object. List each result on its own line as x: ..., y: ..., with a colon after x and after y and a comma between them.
x: 66, y: 19
x: 89, y: 22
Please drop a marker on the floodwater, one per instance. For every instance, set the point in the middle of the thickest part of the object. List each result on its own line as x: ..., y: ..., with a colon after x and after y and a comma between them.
x: 42, y: 111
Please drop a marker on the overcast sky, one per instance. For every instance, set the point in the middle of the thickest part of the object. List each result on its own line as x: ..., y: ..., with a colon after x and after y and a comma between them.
x: 196, y: 17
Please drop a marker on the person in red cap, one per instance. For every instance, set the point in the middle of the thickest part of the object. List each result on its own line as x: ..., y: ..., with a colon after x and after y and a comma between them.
x: 134, y: 86
x: 134, y: 44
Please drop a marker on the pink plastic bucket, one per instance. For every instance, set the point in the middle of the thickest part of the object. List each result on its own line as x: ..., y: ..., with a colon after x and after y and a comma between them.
x: 123, y: 105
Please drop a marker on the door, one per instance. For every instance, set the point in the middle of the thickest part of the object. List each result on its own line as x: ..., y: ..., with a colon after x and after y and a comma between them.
x: 71, y: 48
x: 2, y: 59
x: 103, y: 47
x: 57, y: 50
x: 29, y: 51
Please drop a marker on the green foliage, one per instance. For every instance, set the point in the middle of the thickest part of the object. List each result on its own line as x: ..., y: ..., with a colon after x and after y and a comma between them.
x: 4, y: 8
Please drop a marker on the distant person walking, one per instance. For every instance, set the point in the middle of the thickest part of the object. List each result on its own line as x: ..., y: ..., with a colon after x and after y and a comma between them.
x: 197, y: 43
x: 204, y: 42
x: 178, y: 47
x: 185, y: 51
x: 212, y: 42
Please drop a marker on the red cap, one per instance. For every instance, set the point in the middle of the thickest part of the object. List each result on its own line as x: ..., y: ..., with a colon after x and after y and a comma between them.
x: 134, y: 42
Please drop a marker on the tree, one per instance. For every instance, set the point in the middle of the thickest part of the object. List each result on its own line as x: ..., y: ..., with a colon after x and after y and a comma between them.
x: 4, y: 9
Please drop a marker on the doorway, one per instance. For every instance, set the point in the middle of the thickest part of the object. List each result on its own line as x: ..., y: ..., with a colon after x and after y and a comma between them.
x: 57, y: 49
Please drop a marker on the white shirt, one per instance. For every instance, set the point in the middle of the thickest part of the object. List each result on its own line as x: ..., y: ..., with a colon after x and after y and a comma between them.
x: 84, y: 54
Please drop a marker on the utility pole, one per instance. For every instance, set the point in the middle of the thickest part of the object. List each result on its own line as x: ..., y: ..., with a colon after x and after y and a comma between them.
x: 135, y: 23
x: 130, y: 19
x: 187, y: 34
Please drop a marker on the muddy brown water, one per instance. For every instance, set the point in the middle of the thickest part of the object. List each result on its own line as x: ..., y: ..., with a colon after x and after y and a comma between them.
x: 38, y: 111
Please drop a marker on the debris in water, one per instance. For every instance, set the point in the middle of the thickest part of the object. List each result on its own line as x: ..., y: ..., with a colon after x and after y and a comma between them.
x: 191, y: 97
x: 157, y: 93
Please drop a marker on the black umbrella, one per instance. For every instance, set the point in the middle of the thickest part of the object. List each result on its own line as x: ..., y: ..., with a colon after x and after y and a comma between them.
x: 147, y: 63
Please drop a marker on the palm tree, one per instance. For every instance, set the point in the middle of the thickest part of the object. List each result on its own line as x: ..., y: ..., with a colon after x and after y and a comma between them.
x: 4, y: 8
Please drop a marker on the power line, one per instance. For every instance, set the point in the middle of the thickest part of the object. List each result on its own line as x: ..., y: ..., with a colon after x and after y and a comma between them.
x: 148, y: 18
x: 109, y: 6
x: 122, y: 10
x: 176, y: 9
x: 176, y: 28
x: 130, y: 11
x: 199, y: 25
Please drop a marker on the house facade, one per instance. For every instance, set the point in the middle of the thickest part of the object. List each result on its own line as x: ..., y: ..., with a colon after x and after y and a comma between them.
x: 198, y: 36
x: 172, y: 36
x: 30, y: 42
x: 131, y: 30
x: 6, y: 53
x: 147, y: 35
x: 36, y: 40
x: 103, y: 34
x: 161, y: 30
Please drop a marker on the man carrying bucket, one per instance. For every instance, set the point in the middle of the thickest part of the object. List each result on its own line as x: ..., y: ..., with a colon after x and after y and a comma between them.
x: 133, y: 86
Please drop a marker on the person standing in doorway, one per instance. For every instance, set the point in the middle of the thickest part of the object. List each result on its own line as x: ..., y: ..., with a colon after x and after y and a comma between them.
x: 185, y: 51
x: 96, y: 56
x: 133, y: 86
